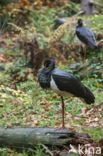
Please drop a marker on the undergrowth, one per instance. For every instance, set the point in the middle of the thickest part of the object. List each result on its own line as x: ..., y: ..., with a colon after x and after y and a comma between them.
x: 22, y: 101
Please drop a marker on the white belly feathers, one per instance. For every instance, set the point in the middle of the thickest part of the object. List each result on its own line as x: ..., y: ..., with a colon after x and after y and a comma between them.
x: 57, y: 90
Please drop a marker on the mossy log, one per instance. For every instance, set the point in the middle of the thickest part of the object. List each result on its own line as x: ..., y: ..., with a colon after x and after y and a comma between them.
x: 29, y: 137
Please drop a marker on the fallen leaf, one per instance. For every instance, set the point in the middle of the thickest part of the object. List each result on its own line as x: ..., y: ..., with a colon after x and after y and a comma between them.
x: 1, y: 105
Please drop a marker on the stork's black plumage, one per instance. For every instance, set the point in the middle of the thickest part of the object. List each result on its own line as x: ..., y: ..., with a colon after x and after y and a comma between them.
x: 63, y: 83
x: 85, y: 35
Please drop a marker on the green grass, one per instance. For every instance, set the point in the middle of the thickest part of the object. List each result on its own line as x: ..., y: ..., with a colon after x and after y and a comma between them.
x: 30, y: 106
x: 22, y: 108
x: 27, y: 108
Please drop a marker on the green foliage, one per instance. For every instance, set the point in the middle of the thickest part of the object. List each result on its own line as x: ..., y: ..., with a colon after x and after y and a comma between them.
x: 76, y: 1
x: 70, y: 9
x: 96, y: 23
x: 24, y: 103
x: 99, y: 75
x: 95, y: 133
x: 3, y: 3
x: 39, y: 151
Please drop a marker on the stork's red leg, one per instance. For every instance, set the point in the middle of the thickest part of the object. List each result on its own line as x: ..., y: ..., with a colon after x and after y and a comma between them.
x: 62, y: 112
x: 85, y: 53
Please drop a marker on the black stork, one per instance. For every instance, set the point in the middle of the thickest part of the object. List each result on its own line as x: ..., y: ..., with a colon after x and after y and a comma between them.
x: 63, y: 83
x: 86, y: 36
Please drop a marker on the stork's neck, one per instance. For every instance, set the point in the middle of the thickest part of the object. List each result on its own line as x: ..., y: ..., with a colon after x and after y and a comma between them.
x: 79, y: 25
x: 50, y: 67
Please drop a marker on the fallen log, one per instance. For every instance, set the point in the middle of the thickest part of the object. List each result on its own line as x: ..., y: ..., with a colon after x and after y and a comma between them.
x: 29, y: 137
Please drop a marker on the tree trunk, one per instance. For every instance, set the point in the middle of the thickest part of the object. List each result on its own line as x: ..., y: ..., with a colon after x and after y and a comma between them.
x: 87, y: 6
x: 29, y: 137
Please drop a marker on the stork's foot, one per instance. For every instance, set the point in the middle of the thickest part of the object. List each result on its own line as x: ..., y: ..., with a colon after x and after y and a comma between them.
x: 60, y: 128
x: 63, y: 127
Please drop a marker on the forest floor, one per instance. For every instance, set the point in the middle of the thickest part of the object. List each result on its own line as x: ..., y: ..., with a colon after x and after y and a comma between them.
x: 23, y: 103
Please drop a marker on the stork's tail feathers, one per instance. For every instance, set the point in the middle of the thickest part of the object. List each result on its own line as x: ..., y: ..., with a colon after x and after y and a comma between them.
x: 89, y: 97
x: 92, y: 45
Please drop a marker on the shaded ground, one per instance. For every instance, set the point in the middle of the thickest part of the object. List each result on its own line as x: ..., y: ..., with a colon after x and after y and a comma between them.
x: 24, y: 103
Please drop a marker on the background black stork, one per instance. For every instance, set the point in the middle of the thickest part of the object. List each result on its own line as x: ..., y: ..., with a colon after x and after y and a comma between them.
x: 64, y: 84
x: 86, y: 36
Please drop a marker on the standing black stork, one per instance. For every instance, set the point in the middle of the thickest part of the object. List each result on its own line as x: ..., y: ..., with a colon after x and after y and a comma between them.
x: 86, y: 36
x: 63, y: 83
